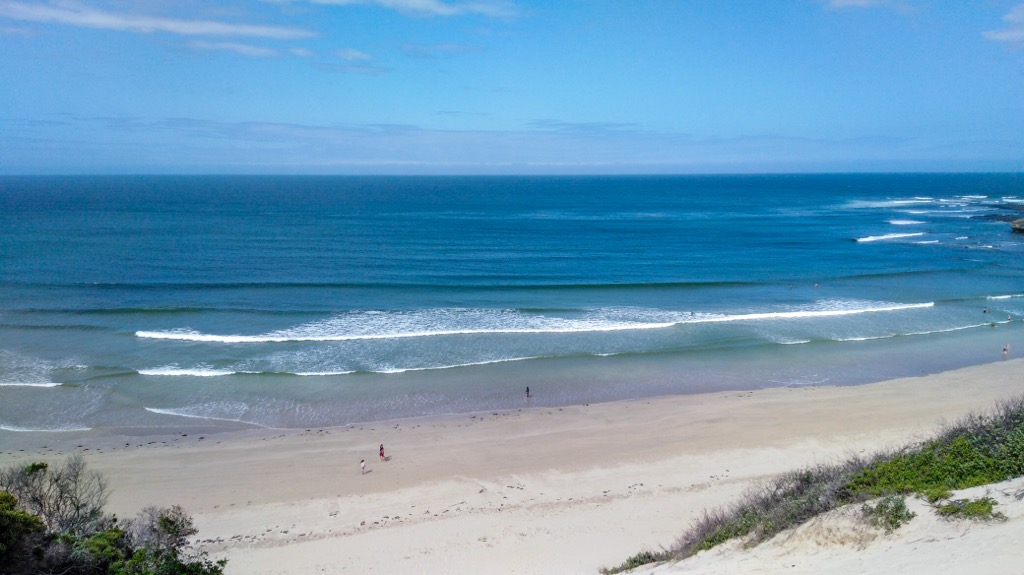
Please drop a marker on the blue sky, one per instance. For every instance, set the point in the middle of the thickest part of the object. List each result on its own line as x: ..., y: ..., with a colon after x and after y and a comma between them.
x: 504, y: 87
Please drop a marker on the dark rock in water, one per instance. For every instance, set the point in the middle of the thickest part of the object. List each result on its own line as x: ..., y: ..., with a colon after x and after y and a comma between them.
x: 1018, y: 226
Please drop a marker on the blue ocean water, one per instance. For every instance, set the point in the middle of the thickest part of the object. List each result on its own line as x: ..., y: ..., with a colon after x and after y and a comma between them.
x: 168, y: 302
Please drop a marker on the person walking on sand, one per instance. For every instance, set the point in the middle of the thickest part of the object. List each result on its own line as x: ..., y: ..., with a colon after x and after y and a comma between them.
x: 382, y: 452
x: 362, y: 467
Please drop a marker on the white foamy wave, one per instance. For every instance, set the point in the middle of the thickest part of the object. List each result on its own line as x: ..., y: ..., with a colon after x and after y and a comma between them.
x: 905, y: 222
x: 198, y: 371
x: 889, y: 237
x: 913, y: 333
x: 1005, y: 296
x: 459, y: 322
x: 393, y: 370
x: 16, y: 428
x: 437, y: 322
x: 324, y: 373
x: 191, y: 413
x: 858, y: 204
x: 29, y: 384
x: 841, y: 308
x: 927, y: 242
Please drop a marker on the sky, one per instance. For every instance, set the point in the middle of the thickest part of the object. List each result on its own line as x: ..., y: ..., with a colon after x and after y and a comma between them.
x: 510, y: 87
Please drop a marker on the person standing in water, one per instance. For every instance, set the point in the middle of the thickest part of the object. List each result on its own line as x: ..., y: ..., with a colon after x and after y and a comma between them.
x: 527, y: 392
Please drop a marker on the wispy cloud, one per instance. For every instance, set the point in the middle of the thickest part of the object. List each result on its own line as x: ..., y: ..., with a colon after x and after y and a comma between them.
x: 1014, y: 32
x: 581, y: 127
x: 237, y: 48
x: 494, y: 8
x: 435, y: 50
x: 77, y: 14
x: 352, y: 68
x: 901, y: 6
x: 353, y: 55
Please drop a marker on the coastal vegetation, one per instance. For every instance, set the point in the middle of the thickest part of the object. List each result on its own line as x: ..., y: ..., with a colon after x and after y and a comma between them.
x: 52, y: 522
x: 979, y: 449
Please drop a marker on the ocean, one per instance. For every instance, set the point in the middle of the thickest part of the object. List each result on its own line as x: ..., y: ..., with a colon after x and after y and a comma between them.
x: 152, y: 303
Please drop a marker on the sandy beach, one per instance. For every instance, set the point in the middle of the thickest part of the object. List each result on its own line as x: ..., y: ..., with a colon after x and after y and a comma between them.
x: 531, y: 490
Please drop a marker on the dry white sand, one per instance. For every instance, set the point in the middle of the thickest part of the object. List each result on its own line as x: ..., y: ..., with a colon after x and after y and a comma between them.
x: 541, y: 490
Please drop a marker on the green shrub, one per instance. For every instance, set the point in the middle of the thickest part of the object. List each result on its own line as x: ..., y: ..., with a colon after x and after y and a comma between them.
x: 981, y: 509
x: 20, y: 532
x: 638, y: 560
x: 890, y: 513
x: 60, y: 528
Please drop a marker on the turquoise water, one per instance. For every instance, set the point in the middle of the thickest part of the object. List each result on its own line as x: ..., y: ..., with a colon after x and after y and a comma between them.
x: 291, y: 301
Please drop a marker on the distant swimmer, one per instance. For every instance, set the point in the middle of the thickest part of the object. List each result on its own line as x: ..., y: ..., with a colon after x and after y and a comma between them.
x: 1006, y: 350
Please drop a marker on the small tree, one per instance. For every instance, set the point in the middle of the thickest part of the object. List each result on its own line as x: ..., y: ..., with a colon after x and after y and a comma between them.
x: 68, y: 498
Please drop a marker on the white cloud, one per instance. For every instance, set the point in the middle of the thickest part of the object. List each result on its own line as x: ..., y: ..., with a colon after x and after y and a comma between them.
x: 900, y: 6
x: 495, y: 8
x: 76, y: 14
x: 301, y: 52
x: 353, y: 55
x: 243, y: 49
x: 1014, y: 32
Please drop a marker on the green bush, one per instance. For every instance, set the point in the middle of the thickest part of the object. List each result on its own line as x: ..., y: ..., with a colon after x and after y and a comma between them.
x: 640, y: 559
x: 981, y: 508
x: 20, y: 532
x: 890, y: 513
x: 60, y: 528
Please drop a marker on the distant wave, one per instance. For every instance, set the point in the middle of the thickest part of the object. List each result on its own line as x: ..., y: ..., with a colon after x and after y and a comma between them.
x: 199, y: 371
x: 460, y: 322
x: 905, y: 222
x: 5, y: 427
x: 888, y: 237
x: 816, y: 313
x: 210, y: 372
x: 914, y: 333
x: 30, y: 384
x: 859, y: 204
x: 184, y: 413
x: 452, y: 366
x: 1005, y: 296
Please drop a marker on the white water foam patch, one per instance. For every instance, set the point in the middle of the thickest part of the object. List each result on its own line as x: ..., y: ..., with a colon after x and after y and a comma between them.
x: 889, y: 237
x: 1009, y: 296
x: 905, y: 222
x: 27, y: 371
x: 198, y: 371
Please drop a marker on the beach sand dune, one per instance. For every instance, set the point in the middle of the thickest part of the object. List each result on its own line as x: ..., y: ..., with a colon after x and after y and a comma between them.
x: 840, y: 542
x: 540, y: 490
